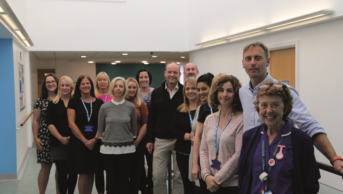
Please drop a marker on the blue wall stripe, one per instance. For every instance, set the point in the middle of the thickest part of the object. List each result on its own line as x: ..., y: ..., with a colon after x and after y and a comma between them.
x: 8, y: 145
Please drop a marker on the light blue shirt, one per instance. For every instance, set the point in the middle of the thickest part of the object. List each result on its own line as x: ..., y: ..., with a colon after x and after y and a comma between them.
x: 299, y: 115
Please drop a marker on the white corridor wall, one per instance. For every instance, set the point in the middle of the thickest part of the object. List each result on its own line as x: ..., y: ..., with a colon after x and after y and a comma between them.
x: 319, y: 49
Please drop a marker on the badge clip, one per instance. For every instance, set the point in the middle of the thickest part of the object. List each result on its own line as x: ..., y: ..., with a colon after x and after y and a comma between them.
x: 279, y: 155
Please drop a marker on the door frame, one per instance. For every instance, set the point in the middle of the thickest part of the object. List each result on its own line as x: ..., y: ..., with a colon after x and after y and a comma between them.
x: 285, y: 45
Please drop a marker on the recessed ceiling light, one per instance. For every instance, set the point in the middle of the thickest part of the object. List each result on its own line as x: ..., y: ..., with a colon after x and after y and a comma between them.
x: 20, y: 34
x: 178, y: 63
x: 163, y: 62
x: 154, y: 56
x: 27, y: 43
x: 144, y: 61
x: 1, y: 10
x: 118, y: 61
x: 90, y: 62
x: 113, y: 63
x: 124, y: 53
x: 9, y: 21
x: 83, y: 56
x: 183, y: 57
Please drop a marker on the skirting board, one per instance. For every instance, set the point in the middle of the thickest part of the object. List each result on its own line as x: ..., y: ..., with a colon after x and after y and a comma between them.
x: 19, y: 174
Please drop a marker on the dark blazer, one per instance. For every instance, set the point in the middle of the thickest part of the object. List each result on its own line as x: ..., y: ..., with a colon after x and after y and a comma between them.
x: 306, y: 172
x: 161, y: 113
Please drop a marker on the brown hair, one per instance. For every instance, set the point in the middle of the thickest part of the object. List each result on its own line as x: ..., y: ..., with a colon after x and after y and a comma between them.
x: 77, y: 93
x: 256, y: 43
x: 44, y: 90
x: 269, y: 88
x: 213, y: 97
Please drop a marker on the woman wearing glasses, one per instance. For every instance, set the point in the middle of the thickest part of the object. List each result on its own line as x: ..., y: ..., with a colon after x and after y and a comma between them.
x: 275, y: 156
x: 41, y: 132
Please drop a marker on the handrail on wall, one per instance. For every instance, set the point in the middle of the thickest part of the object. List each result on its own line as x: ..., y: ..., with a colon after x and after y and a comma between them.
x: 328, y: 168
x: 24, y: 121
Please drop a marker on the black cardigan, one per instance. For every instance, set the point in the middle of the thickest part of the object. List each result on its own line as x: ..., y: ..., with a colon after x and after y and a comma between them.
x: 161, y: 113
x: 180, y: 126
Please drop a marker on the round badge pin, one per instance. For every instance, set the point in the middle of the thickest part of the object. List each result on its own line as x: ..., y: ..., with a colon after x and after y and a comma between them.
x: 271, y: 162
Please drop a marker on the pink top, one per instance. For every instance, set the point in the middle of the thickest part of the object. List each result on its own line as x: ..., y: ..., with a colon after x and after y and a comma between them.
x: 103, y: 97
x: 229, y: 150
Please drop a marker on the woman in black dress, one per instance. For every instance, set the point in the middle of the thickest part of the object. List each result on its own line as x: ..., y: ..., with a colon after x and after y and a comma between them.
x: 41, y: 132
x: 57, y: 120
x: 84, y: 156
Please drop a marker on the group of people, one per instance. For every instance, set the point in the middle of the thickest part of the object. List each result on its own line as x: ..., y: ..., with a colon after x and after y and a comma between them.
x: 224, y: 137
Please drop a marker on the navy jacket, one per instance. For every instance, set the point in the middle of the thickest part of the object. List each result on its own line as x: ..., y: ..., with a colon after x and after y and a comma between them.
x: 161, y: 113
x: 306, y: 172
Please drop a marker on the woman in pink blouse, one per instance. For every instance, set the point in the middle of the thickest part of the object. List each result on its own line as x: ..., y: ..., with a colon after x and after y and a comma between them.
x: 222, y: 138
x: 101, y: 87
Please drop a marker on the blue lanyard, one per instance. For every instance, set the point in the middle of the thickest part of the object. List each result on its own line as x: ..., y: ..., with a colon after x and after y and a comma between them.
x: 146, y: 97
x: 106, y: 97
x: 216, y: 145
x: 190, y: 118
x: 211, y: 110
x: 264, y: 156
x: 88, y: 115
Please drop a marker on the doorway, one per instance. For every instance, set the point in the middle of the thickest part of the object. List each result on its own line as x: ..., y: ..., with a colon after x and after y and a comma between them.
x: 282, y: 65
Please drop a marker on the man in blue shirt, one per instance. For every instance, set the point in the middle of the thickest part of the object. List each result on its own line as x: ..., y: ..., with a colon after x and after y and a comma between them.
x: 255, y: 62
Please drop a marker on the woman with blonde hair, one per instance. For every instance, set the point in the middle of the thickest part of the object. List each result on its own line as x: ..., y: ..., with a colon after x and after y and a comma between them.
x: 142, y: 119
x: 102, y: 84
x: 57, y: 120
x: 117, y: 128
x: 182, y: 131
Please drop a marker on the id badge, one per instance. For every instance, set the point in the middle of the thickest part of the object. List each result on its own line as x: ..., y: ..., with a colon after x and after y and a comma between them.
x: 89, y: 128
x: 215, y: 164
x: 268, y: 192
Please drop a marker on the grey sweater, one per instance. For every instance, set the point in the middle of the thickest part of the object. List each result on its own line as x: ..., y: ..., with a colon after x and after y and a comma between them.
x: 117, y: 124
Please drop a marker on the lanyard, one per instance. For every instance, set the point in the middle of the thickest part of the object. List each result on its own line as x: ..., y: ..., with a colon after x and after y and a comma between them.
x: 216, y: 145
x: 106, y: 97
x: 88, y: 115
x: 211, y: 110
x: 190, y: 118
x: 146, y: 97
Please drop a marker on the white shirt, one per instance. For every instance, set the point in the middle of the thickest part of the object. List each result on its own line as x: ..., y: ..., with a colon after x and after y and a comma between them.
x: 172, y: 93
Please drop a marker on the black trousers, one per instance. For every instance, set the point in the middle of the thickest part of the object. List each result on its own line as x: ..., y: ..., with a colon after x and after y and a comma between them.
x: 136, y: 168
x: 225, y: 190
x: 100, y: 182
x: 66, y: 182
x: 182, y: 163
x: 117, y: 172
x: 202, y: 189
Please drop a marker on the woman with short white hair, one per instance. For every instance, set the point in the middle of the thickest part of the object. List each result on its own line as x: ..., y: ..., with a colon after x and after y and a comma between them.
x: 117, y: 129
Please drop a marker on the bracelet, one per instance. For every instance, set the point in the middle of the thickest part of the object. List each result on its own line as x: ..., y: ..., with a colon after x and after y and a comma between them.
x: 85, y: 141
x: 336, y: 158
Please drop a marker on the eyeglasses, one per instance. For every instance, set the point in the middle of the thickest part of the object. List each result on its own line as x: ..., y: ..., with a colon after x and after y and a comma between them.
x: 275, y: 85
x: 50, y: 82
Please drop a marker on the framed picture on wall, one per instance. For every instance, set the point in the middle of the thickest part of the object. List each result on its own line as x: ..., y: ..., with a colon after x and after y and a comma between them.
x: 21, y: 86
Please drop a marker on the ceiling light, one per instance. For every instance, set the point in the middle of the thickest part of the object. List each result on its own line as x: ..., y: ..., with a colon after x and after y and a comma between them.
x: 154, y: 56
x: 27, y: 43
x: 83, y: 56
x: 90, y: 62
x: 113, y: 63
x: 213, y: 44
x: 296, y: 21
x: 9, y: 21
x: 163, y: 62
x: 178, y: 63
x: 183, y: 57
x: 124, y: 53
x: 20, y: 34
x: 118, y: 61
x: 144, y: 61
x: 1, y: 10
x: 232, y: 37
x: 248, y: 36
